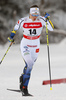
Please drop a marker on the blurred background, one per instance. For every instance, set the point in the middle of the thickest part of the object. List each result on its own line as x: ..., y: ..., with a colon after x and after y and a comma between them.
x: 12, y: 10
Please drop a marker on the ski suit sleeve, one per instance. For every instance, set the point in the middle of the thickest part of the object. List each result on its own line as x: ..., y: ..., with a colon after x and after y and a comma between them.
x: 18, y: 25
x: 50, y: 26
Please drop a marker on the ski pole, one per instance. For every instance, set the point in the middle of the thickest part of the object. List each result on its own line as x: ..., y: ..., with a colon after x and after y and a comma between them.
x: 48, y: 56
x: 6, y: 52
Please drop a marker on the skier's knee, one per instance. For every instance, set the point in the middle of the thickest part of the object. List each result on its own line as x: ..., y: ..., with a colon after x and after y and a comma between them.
x: 30, y: 64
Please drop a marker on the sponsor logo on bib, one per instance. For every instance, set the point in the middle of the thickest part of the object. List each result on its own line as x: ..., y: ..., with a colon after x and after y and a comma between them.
x: 32, y: 25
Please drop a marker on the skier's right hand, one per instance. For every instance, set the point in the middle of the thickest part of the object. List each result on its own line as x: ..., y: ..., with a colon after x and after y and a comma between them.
x: 10, y: 39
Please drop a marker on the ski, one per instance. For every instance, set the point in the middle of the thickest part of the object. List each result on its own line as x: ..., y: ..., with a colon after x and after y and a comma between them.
x: 27, y: 95
x: 14, y: 90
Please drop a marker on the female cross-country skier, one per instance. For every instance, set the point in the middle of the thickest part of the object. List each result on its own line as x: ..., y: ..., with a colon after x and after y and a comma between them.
x: 30, y: 43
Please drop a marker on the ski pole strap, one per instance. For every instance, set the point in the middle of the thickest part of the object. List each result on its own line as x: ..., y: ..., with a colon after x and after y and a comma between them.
x: 6, y: 52
x: 47, y: 34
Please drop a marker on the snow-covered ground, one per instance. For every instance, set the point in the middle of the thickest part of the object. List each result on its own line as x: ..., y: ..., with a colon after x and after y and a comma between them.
x: 13, y: 64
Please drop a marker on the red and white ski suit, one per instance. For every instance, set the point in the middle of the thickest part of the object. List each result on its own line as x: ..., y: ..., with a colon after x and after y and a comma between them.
x: 30, y: 42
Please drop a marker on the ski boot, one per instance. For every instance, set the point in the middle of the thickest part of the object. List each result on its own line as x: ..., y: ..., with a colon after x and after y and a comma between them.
x: 23, y: 89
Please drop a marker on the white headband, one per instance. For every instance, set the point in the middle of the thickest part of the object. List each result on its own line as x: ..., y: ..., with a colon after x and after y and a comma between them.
x: 34, y: 10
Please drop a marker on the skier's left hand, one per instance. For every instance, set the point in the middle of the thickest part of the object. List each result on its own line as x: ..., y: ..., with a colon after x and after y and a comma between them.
x: 47, y: 16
